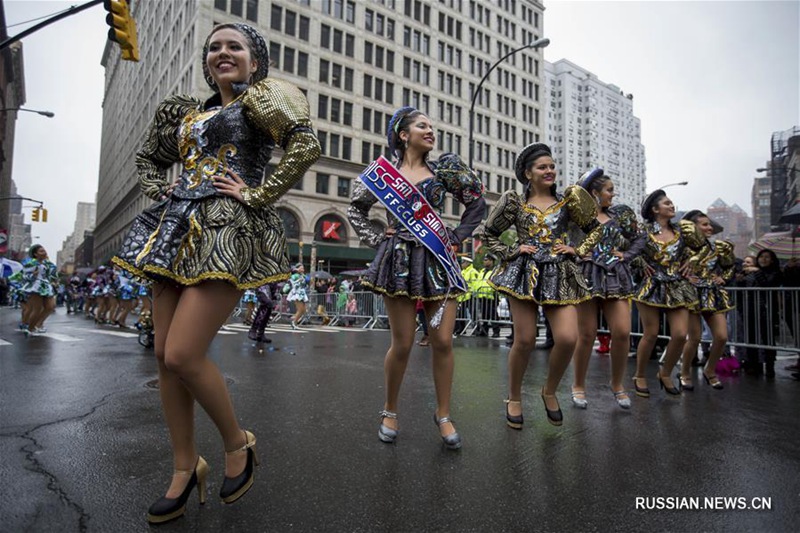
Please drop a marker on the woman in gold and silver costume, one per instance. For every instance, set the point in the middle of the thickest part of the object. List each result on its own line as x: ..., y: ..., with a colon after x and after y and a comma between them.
x: 606, y: 268
x: 539, y: 270
x: 712, y: 266
x: 664, y: 288
x: 404, y: 271
x: 212, y: 234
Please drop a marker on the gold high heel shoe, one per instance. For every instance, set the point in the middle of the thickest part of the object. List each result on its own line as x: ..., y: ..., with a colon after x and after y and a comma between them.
x: 166, y: 509
x: 234, y: 488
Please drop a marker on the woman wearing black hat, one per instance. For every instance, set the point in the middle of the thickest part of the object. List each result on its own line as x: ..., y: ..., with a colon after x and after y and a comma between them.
x: 405, y: 271
x: 606, y: 267
x: 712, y: 266
x: 664, y: 288
x: 212, y: 234
x: 540, y: 270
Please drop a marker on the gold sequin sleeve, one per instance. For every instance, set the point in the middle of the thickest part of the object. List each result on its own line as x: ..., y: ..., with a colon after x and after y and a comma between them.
x: 503, y: 215
x: 691, y: 234
x: 281, y: 111
x: 581, y: 208
x: 727, y: 260
x: 589, y: 241
x: 159, y: 150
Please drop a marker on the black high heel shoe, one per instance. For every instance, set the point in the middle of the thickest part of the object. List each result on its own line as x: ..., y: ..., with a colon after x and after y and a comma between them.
x: 685, y: 384
x: 234, y: 488
x: 166, y: 509
x: 713, y: 381
x: 451, y: 441
x: 555, y: 417
x: 642, y: 392
x: 669, y: 390
x: 513, y: 421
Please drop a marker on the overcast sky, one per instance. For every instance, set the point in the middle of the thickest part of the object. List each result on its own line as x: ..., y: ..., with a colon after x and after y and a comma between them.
x: 711, y: 82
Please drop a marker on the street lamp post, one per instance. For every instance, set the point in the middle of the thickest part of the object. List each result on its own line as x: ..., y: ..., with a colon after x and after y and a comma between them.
x: 676, y: 184
x: 48, y: 114
x: 538, y: 43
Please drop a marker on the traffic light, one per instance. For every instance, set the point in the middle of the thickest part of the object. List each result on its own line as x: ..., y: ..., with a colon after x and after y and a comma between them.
x: 122, y: 28
x: 42, y: 214
x: 35, y: 214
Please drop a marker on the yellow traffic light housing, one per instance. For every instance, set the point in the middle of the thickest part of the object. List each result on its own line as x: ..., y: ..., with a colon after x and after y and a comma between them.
x: 42, y: 214
x: 122, y: 28
x: 35, y: 214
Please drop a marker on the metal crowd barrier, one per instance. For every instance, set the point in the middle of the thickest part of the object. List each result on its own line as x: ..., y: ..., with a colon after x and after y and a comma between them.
x: 764, y: 318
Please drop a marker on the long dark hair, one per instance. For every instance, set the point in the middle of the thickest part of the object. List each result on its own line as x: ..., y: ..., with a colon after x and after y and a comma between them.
x: 35, y: 248
x: 775, y: 266
x: 596, y: 185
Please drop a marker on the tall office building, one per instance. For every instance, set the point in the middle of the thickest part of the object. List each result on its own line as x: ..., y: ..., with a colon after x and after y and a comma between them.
x: 590, y: 123
x: 737, y: 225
x: 356, y: 62
x: 84, y: 221
x: 761, y: 201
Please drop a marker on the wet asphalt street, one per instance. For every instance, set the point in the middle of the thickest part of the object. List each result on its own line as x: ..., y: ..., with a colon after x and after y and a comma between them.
x: 84, y: 447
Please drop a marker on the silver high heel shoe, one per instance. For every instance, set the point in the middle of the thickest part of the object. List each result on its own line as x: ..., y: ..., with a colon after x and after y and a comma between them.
x: 623, y: 400
x: 385, y: 433
x: 451, y: 441
x: 579, y: 399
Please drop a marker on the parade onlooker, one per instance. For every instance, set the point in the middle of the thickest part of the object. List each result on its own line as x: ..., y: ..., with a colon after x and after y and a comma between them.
x: 212, y: 234
x: 762, y: 314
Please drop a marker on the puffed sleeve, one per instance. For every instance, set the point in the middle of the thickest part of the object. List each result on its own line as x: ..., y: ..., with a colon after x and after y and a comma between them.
x: 361, y: 201
x: 581, y: 208
x: 160, y: 148
x: 637, y: 239
x: 503, y: 216
x: 727, y: 260
x: 280, y: 110
x: 465, y: 186
x: 691, y: 234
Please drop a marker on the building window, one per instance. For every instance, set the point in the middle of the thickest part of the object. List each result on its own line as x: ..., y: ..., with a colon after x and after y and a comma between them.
x: 275, y: 17
x: 325, y: 36
x: 324, y: 66
x: 322, y: 107
x: 222, y: 5
x: 343, y: 188
x: 236, y: 8
x: 302, y: 64
x: 291, y: 224
x: 305, y: 22
x: 275, y: 54
x: 252, y: 10
x: 322, y: 183
x: 347, y: 148
x: 288, y: 59
x: 291, y: 23
x: 323, y: 141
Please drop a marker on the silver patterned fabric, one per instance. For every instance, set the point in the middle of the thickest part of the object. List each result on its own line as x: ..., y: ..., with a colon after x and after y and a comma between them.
x: 715, y: 258
x: 607, y: 275
x: 402, y: 265
x: 544, y: 277
x: 196, y: 233
x: 667, y: 287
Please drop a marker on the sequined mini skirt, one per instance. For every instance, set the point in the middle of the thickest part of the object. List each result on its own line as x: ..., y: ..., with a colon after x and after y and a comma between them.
x: 404, y: 267
x: 218, y: 238
x: 546, y: 283
x: 666, y: 293
x: 608, y: 283
x: 713, y: 299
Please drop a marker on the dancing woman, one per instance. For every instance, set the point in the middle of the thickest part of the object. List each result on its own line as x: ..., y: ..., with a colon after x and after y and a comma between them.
x: 606, y: 267
x: 405, y: 271
x: 539, y: 270
x: 712, y: 266
x: 39, y: 280
x: 212, y: 234
x: 664, y: 288
x: 298, y: 293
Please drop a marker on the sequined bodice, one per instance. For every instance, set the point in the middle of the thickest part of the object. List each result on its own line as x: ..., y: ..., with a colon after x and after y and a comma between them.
x: 218, y: 139
x: 665, y: 257
x: 543, y: 229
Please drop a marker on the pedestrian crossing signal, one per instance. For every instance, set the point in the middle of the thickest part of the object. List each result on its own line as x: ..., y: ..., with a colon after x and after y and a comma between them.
x: 122, y: 28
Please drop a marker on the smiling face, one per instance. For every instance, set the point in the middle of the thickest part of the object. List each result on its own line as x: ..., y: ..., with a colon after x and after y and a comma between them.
x: 764, y: 259
x: 40, y: 254
x: 542, y: 173
x: 664, y: 208
x: 419, y: 134
x: 704, y: 223
x: 605, y: 196
x: 229, y: 59
x: 749, y: 261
